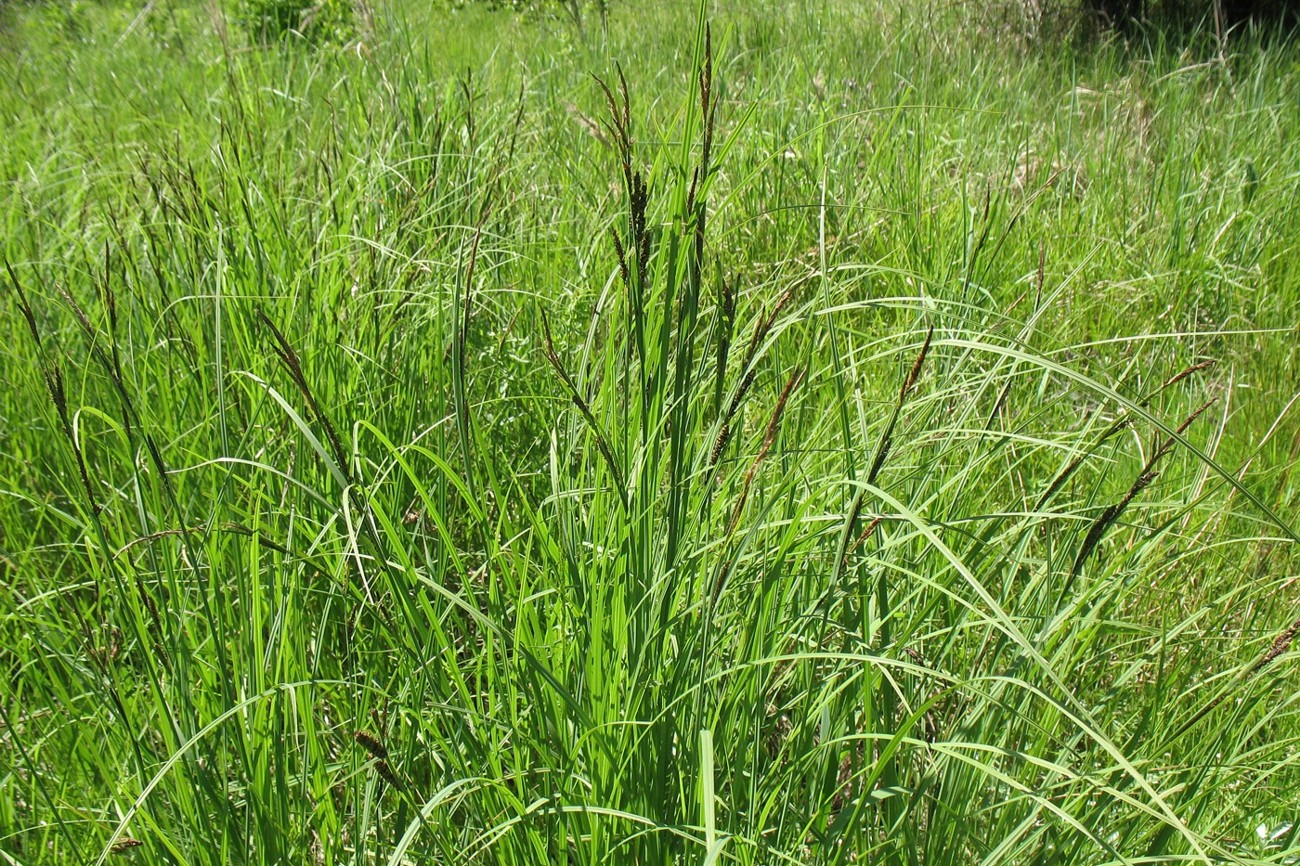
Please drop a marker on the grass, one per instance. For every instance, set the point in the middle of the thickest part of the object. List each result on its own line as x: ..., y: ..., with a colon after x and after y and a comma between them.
x: 818, y: 438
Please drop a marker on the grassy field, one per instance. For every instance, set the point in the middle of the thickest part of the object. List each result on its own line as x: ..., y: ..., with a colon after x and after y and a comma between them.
x: 829, y: 435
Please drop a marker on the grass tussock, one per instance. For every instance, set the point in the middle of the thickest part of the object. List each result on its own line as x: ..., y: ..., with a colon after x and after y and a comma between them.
x: 756, y: 434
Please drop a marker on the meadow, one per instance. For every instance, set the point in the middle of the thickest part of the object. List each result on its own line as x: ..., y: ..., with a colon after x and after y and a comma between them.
x: 766, y: 432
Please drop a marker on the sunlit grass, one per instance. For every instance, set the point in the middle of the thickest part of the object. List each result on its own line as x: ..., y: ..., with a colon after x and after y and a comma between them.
x: 820, y: 437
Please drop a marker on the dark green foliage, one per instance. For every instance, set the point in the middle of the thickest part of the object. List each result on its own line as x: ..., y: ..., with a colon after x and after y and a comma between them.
x: 277, y: 20
x: 576, y: 12
x: 1129, y: 16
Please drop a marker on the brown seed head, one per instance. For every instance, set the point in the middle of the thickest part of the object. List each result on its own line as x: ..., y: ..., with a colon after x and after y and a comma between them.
x: 371, y: 744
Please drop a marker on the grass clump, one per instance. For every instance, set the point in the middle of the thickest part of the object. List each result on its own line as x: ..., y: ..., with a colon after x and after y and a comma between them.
x: 430, y: 452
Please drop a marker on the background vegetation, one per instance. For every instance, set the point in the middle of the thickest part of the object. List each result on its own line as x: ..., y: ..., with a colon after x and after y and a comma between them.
x: 822, y: 437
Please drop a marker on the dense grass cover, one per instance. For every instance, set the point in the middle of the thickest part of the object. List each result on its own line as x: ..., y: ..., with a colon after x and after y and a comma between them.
x: 820, y: 437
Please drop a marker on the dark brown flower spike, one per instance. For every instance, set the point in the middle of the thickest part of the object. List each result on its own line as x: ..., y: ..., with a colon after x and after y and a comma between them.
x: 371, y: 744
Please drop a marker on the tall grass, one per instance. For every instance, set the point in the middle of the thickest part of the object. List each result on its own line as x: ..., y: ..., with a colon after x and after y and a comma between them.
x: 755, y: 434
